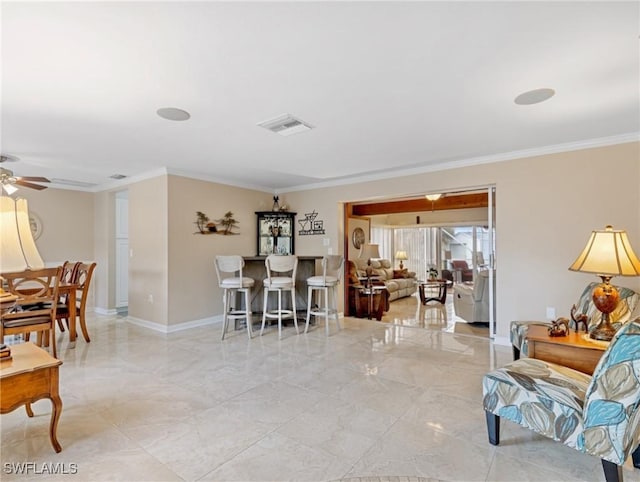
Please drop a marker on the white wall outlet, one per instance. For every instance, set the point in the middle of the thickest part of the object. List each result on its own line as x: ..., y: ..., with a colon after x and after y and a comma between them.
x: 551, y: 313
x: 326, y: 241
x: 131, y: 253
x: 330, y: 251
x: 150, y: 299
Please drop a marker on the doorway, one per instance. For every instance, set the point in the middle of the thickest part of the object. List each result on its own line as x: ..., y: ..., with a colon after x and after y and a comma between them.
x: 122, y: 251
x: 459, y: 224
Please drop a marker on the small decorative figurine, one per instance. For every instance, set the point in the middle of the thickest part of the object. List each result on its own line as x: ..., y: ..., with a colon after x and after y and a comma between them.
x: 559, y: 327
x: 578, y: 319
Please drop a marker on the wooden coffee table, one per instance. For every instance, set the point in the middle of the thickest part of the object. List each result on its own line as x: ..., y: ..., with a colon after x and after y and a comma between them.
x: 575, y: 351
x: 433, y: 290
x: 30, y: 375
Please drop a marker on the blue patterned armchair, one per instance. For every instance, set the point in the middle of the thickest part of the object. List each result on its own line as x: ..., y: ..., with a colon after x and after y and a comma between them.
x: 597, y: 415
x: 628, y: 301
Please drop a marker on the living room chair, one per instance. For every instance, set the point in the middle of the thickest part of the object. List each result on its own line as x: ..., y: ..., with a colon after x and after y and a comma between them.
x: 232, y: 281
x: 327, y: 283
x: 623, y: 312
x: 597, y: 415
x: 465, y: 273
x: 37, y: 289
x: 471, y: 302
x: 285, y: 267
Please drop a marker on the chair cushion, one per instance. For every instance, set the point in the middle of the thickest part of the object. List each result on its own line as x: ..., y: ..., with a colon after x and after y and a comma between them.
x: 32, y: 320
x: 236, y: 283
x: 320, y: 281
x: 544, y: 397
x: 278, y: 282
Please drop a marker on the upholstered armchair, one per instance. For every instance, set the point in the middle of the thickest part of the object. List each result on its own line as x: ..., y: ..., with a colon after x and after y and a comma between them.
x: 597, y: 415
x: 628, y: 301
x: 471, y: 302
x: 461, y: 266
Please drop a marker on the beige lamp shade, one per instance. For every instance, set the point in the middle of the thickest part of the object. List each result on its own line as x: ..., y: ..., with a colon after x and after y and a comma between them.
x: 18, y: 251
x: 608, y: 253
x: 401, y: 255
x: 369, y: 251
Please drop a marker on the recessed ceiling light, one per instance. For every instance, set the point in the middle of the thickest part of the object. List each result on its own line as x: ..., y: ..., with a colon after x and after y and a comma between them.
x: 534, y: 96
x: 173, y: 113
x: 285, y: 125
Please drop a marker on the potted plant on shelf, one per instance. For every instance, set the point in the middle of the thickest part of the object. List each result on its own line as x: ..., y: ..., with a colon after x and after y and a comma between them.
x: 433, y: 273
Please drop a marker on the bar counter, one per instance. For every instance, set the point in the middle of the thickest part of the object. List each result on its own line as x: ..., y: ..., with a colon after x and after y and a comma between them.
x: 255, y: 268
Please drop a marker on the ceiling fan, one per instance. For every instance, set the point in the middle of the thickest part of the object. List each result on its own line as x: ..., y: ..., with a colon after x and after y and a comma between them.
x: 9, y: 181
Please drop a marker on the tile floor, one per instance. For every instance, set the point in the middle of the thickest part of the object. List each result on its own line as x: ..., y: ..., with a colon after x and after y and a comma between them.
x: 376, y: 401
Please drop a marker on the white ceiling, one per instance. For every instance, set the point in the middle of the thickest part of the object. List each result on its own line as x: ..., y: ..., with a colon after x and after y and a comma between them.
x: 387, y: 85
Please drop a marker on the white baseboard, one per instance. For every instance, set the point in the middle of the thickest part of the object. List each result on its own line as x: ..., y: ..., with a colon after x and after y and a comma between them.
x: 105, y: 311
x: 187, y: 325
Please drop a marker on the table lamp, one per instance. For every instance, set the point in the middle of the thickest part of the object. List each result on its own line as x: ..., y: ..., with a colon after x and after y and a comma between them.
x: 402, y: 256
x: 18, y: 251
x: 608, y: 253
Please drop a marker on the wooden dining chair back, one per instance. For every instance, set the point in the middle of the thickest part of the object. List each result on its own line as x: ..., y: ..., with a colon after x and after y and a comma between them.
x: 83, y: 276
x: 68, y: 275
x: 37, y: 289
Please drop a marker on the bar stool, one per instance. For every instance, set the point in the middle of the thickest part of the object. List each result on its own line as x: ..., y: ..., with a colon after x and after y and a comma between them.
x: 286, y: 266
x: 332, y: 269
x: 226, y: 268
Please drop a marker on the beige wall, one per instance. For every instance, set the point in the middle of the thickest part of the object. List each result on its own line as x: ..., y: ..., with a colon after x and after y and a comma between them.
x: 546, y: 208
x: 193, y: 286
x: 148, y: 266
x: 67, y: 223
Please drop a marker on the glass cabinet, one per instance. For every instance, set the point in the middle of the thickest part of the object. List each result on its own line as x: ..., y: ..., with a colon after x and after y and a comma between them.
x: 275, y: 232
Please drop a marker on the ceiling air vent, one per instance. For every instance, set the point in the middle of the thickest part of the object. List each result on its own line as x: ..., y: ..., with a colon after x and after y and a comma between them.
x: 285, y: 125
x: 118, y: 176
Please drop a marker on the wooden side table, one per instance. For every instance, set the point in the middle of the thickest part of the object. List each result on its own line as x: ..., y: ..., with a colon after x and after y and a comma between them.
x: 31, y: 374
x: 575, y: 351
x: 371, y: 297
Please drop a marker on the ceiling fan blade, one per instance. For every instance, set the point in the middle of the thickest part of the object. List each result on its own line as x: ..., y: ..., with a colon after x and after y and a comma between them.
x: 29, y: 185
x: 33, y: 179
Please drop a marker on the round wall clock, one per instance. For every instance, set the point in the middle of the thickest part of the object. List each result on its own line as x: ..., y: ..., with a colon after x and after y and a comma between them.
x: 36, y: 225
x: 357, y: 238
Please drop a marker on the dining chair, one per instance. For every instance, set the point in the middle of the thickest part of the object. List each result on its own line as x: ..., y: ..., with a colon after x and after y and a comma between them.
x: 82, y: 275
x: 39, y: 290
x: 68, y: 275
x: 332, y: 270
x: 281, y: 276
x: 232, y: 281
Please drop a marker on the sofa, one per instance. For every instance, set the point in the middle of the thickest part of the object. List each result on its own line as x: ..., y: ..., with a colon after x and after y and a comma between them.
x: 399, y: 283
